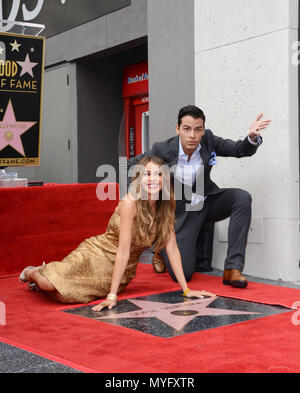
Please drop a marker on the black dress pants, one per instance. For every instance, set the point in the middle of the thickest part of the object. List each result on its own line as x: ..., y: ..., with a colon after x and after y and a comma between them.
x: 231, y: 202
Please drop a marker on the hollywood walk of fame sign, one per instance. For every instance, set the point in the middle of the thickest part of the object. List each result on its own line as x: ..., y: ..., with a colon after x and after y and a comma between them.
x: 169, y: 314
x: 21, y: 89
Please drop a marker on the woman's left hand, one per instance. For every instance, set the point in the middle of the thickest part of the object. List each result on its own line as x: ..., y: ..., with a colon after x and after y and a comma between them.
x: 200, y: 294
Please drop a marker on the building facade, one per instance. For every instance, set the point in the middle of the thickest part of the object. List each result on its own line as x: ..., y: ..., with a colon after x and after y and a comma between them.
x: 232, y: 59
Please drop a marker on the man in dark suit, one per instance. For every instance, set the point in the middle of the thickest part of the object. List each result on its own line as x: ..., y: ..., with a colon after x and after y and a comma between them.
x: 191, y: 155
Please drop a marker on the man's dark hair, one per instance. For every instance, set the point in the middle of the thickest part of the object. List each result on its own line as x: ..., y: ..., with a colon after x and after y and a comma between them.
x: 190, y: 110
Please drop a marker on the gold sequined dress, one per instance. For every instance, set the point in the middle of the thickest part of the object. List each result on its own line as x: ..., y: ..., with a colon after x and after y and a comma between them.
x: 86, y: 273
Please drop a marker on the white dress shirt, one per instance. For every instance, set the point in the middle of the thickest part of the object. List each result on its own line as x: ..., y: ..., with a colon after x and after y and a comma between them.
x: 186, y: 171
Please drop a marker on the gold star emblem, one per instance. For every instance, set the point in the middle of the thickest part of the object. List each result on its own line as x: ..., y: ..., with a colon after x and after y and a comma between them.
x: 15, y: 46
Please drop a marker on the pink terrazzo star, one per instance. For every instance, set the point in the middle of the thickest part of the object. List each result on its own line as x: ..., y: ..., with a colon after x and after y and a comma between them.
x: 11, y: 130
x: 27, y: 66
x: 173, y: 314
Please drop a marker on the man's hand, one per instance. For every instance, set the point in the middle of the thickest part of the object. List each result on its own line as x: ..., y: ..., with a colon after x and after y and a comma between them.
x: 256, y: 126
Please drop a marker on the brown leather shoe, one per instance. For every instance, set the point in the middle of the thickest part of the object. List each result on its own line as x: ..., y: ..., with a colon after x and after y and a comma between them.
x: 234, y: 278
x: 158, y: 263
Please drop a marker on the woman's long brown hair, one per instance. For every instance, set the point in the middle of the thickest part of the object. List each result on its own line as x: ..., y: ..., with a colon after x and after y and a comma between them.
x: 148, y: 230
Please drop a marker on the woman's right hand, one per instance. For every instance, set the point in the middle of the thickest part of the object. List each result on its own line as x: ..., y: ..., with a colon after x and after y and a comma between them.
x: 107, y: 303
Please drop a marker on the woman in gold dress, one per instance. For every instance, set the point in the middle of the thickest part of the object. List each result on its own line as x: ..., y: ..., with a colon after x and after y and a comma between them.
x: 103, y: 265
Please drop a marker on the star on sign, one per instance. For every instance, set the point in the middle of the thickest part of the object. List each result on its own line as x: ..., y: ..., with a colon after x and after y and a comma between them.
x: 175, y: 315
x: 15, y: 46
x: 11, y: 130
x: 27, y: 66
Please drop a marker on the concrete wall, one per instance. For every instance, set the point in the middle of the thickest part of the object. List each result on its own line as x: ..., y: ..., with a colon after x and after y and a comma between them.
x: 100, y: 110
x: 243, y: 66
x: 117, y: 28
x: 171, y: 63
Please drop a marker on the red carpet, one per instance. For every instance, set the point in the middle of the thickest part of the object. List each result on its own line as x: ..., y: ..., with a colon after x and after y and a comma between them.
x: 269, y: 344
x: 46, y: 223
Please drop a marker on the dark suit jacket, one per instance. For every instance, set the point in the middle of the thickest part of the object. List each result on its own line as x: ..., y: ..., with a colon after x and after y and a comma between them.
x: 210, y: 145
